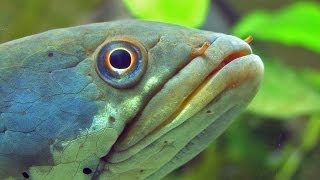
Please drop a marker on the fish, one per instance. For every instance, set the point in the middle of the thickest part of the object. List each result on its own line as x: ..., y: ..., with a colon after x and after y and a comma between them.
x: 124, y: 99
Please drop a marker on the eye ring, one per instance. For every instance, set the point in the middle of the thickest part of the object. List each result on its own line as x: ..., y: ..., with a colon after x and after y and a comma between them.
x: 121, y: 62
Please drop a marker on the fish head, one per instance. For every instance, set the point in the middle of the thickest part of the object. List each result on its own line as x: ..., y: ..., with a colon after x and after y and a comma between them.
x: 123, y: 99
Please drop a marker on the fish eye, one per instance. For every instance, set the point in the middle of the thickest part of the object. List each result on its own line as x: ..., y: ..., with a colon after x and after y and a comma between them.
x: 121, y: 63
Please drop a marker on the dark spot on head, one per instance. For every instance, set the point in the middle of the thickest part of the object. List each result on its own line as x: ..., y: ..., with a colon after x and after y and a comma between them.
x: 87, y: 171
x: 112, y: 119
x: 50, y: 54
x: 141, y: 170
x: 3, y: 128
x: 88, y: 52
x: 25, y: 175
x: 208, y: 111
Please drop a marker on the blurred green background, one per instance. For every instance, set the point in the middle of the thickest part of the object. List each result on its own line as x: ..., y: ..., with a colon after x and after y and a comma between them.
x: 277, y: 137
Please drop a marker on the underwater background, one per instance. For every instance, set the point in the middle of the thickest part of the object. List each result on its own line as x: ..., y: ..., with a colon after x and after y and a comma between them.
x: 277, y: 137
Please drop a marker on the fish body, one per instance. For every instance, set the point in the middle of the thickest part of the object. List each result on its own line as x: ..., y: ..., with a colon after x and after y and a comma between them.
x: 118, y: 100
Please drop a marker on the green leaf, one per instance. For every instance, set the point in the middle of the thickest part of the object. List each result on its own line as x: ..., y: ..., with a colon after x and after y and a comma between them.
x: 309, y: 140
x: 312, y: 77
x: 284, y: 93
x: 184, y: 12
x: 311, y: 134
x: 22, y: 18
x: 290, y: 166
x: 297, y: 24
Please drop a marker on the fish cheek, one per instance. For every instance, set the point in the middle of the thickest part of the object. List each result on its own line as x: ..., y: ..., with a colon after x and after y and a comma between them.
x: 80, y: 156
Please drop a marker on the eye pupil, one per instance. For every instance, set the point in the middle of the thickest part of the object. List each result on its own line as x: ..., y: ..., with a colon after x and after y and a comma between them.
x: 120, y: 59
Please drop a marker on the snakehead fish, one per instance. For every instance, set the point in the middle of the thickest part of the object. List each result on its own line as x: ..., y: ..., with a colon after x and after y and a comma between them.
x: 118, y: 100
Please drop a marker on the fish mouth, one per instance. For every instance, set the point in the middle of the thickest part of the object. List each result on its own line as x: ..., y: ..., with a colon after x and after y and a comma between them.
x: 198, y: 90
x: 194, y: 94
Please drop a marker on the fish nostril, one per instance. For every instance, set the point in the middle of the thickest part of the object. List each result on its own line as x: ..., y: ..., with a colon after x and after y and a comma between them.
x: 199, y: 51
x: 249, y: 39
